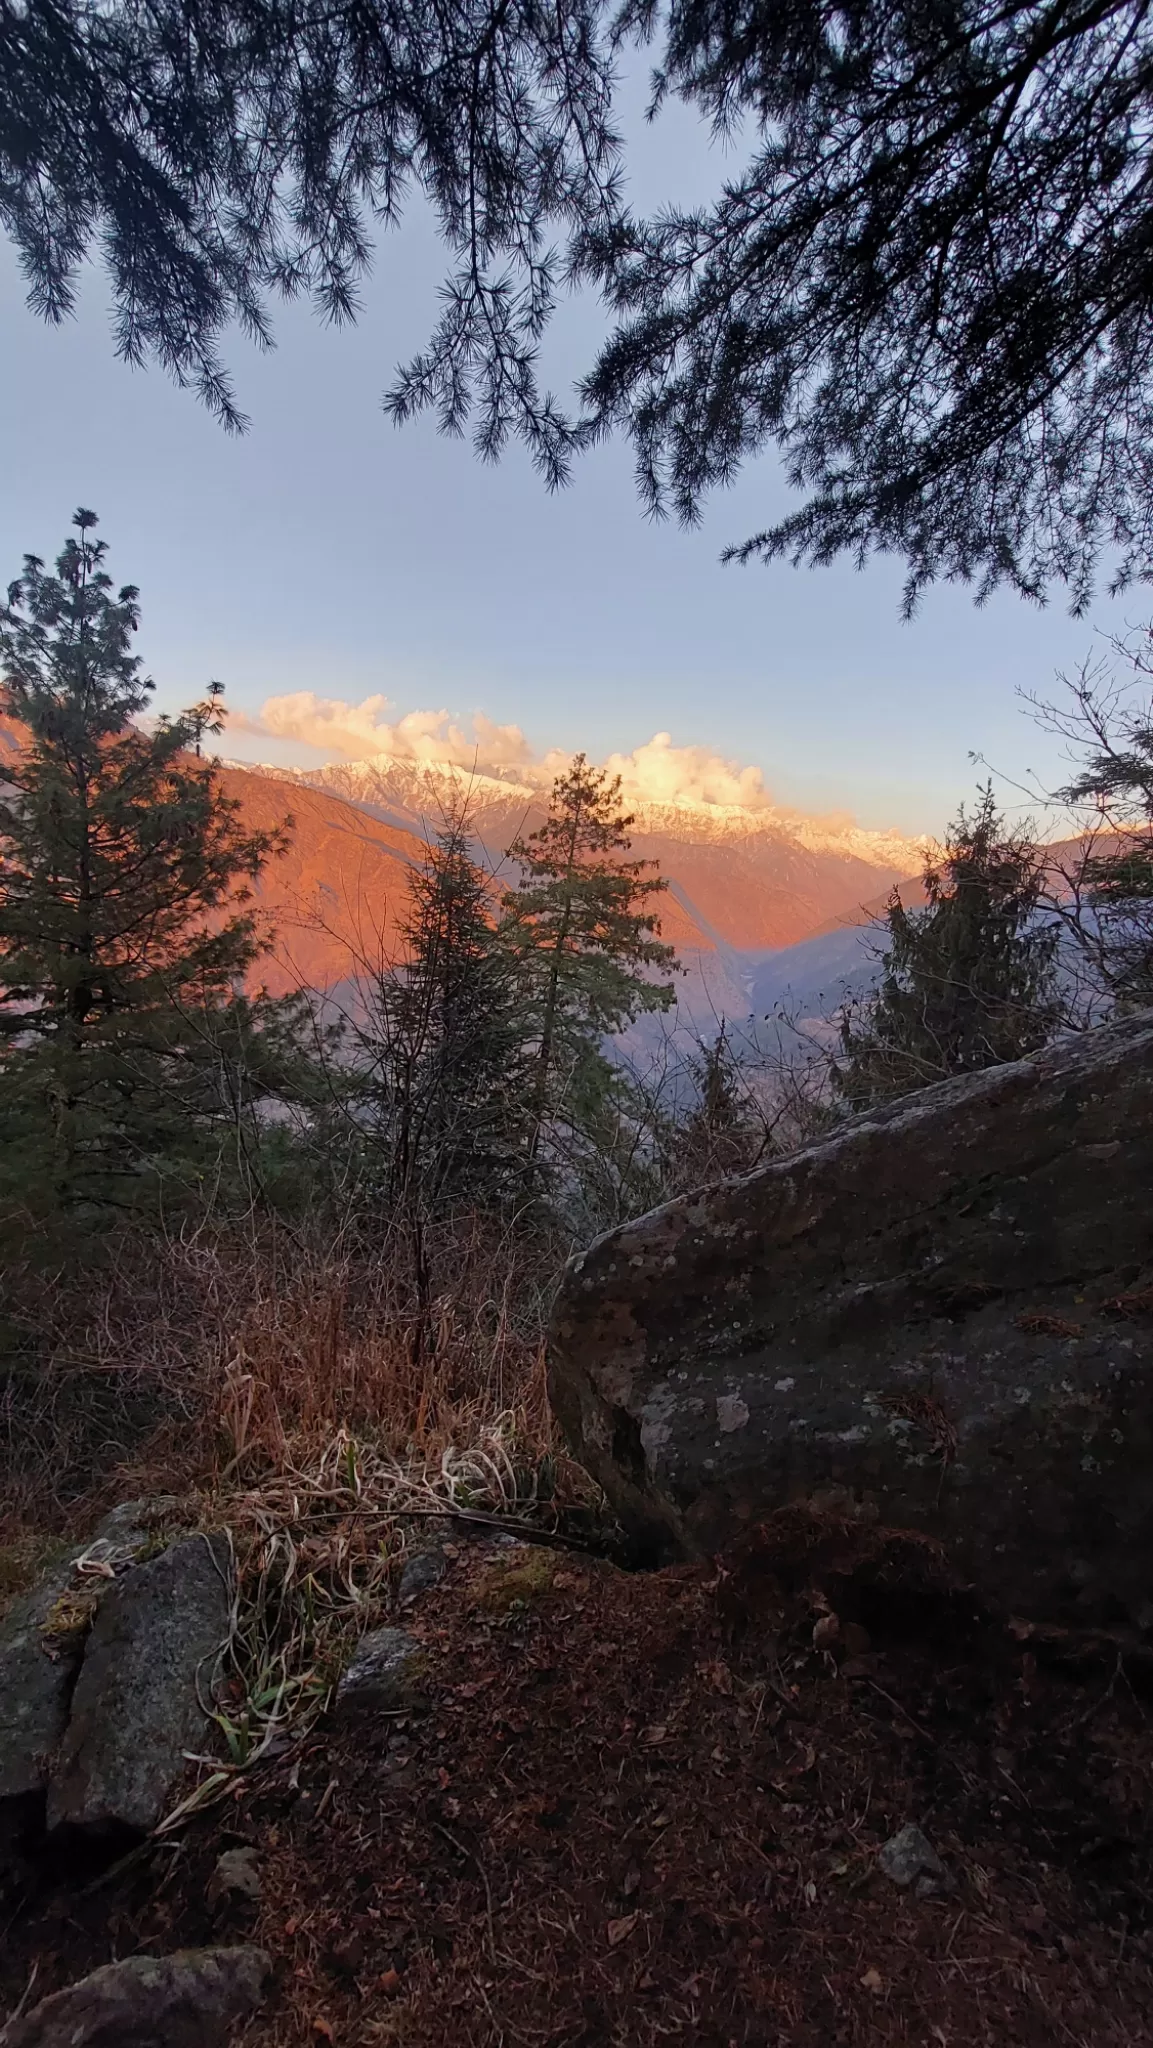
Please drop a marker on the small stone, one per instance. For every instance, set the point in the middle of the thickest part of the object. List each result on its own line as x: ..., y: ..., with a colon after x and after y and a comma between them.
x: 420, y: 1574
x: 909, y: 1858
x: 235, y: 1877
x: 380, y: 1673
x: 188, y: 2000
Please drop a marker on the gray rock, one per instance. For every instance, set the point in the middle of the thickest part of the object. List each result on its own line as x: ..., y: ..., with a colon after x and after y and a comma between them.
x: 42, y: 1640
x: 421, y: 1572
x: 380, y: 1675
x: 909, y: 1858
x: 910, y: 1320
x: 235, y: 1876
x: 149, y: 1666
x: 187, y: 2000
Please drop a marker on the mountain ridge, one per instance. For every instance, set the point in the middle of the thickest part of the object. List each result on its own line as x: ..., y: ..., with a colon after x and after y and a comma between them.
x: 747, y: 879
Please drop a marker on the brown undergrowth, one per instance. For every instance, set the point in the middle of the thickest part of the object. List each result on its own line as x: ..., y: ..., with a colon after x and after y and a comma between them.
x: 231, y: 1355
x: 289, y: 1392
x: 623, y: 1809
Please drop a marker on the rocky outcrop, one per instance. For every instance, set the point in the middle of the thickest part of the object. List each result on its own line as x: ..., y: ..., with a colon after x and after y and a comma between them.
x: 42, y: 1639
x: 940, y: 1316
x: 188, y: 2000
x: 140, y: 1700
x: 106, y: 1672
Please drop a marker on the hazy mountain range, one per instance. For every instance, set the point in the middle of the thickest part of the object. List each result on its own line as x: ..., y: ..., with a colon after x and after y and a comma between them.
x: 764, y: 906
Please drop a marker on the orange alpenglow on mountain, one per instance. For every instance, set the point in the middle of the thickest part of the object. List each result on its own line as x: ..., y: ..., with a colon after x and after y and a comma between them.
x: 740, y: 881
x: 335, y: 898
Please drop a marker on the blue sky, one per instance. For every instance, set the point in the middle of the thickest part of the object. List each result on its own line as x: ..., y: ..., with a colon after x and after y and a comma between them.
x: 328, y: 551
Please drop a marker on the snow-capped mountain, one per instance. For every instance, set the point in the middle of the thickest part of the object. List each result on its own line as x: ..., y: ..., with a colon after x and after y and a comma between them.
x: 746, y: 878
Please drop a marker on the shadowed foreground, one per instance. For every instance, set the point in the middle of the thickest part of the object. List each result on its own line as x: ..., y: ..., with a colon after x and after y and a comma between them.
x: 622, y: 1809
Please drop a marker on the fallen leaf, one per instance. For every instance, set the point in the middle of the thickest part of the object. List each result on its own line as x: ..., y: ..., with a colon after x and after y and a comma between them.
x: 653, y: 1736
x: 825, y: 1631
x: 619, y: 1930
x: 873, y: 1981
x: 323, y: 2027
x: 389, y: 1982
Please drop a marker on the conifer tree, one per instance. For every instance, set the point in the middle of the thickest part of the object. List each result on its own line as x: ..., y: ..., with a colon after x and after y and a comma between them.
x: 124, y: 919
x: 584, y: 935
x: 968, y: 980
x: 925, y: 278
x: 449, y: 1035
x: 1104, y: 891
x: 722, y: 1135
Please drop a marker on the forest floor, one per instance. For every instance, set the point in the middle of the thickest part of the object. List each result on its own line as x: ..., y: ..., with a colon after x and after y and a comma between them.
x: 624, y: 1809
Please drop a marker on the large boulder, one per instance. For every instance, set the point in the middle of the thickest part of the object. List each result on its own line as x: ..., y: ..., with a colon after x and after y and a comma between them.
x: 939, y: 1316
x: 140, y: 1701
x: 188, y: 2000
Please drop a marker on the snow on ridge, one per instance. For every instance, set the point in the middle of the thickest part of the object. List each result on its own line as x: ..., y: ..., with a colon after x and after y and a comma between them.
x: 412, y: 784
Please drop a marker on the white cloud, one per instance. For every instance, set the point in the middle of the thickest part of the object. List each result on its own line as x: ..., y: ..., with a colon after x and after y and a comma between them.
x: 356, y: 732
x: 659, y: 773
x: 656, y: 773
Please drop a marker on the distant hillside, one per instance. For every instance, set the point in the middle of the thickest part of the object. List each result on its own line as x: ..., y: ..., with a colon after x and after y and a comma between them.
x: 742, y: 883
x: 337, y: 893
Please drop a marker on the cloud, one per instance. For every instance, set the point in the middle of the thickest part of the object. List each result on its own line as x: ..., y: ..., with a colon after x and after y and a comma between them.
x: 656, y: 773
x: 358, y: 732
x: 659, y: 773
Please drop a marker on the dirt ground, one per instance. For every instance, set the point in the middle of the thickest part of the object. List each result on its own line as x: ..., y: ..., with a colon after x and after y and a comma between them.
x: 627, y: 1809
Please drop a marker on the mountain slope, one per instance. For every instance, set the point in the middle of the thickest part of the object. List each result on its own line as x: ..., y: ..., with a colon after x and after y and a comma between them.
x: 742, y: 883
x: 749, y: 879
x: 335, y: 897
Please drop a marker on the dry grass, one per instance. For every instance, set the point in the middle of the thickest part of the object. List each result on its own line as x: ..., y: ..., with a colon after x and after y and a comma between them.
x: 232, y: 1356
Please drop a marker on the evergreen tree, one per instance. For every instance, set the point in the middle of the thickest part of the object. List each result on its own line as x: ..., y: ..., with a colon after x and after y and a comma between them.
x: 1105, y: 897
x: 722, y: 1135
x: 929, y: 282
x: 448, y: 1033
x: 585, y: 941
x: 968, y: 980
x: 124, y: 920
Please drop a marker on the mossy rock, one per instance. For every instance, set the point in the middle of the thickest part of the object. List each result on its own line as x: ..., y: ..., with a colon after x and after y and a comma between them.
x: 512, y: 1585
